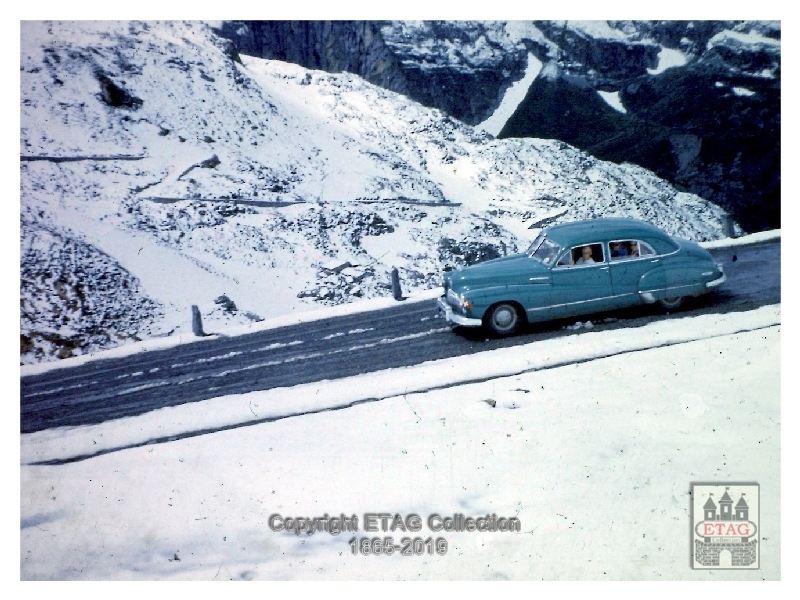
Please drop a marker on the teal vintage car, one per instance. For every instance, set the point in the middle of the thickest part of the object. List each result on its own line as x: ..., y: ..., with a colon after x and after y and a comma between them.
x: 577, y: 269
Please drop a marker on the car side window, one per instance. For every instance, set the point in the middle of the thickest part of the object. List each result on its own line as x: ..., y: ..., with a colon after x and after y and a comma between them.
x: 582, y: 255
x: 646, y: 249
x: 638, y: 248
x: 627, y: 249
x: 566, y: 260
x: 619, y: 249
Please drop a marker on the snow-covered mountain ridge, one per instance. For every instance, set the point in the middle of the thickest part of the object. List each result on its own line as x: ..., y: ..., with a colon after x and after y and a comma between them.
x: 186, y: 172
x: 698, y: 102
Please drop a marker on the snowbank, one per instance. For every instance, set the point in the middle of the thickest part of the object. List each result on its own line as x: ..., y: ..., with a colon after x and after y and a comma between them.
x: 752, y: 238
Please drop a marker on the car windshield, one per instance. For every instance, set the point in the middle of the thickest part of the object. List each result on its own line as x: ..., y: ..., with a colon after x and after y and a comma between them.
x: 546, y: 251
x: 535, y: 245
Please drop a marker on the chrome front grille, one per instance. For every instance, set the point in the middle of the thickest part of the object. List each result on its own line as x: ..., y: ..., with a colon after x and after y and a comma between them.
x: 452, y: 299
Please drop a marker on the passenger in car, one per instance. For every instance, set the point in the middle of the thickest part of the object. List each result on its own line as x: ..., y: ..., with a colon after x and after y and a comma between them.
x: 634, y: 248
x: 586, y: 256
x: 618, y: 250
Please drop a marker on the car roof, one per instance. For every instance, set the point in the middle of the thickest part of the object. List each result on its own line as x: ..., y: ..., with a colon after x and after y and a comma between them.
x: 597, y: 230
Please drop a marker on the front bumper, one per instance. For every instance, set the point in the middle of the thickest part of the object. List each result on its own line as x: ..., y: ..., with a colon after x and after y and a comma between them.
x: 454, y: 318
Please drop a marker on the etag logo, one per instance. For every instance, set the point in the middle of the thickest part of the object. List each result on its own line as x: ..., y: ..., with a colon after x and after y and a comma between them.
x: 725, y: 532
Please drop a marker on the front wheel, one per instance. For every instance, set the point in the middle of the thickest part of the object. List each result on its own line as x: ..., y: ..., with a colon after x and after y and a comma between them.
x: 503, y: 319
x: 671, y: 303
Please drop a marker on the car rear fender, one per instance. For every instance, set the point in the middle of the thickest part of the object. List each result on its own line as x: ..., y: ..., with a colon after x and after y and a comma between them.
x: 688, y: 277
x: 652, y: 284
x: 678, y: 277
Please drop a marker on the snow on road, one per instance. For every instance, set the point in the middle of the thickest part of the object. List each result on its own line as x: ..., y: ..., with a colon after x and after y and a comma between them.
x: 307, y: 316
x: 594, y: 457
x: 302, y: 316
x: 240, y: 409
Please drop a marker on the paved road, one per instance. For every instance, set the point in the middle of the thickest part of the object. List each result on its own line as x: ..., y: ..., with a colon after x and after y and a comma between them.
x: 330, y: 349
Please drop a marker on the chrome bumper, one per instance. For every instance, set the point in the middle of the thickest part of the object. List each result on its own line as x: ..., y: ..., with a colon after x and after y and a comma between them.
x: 454, y: 318
x: 718, y: 281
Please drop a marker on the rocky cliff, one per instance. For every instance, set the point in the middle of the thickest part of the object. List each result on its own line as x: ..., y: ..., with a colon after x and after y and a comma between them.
x: 697, y: 102
x: 461, y: 68
x: 710, y: 124
x: 353, y: 46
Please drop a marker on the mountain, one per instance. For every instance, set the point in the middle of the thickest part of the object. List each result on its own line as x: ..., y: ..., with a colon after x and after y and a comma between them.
x: 459, y: 67
x: 161, y: 168
x: 697, y: 102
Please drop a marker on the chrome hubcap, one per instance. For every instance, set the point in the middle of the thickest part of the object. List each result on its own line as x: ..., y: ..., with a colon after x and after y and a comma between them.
x: 504, y: 317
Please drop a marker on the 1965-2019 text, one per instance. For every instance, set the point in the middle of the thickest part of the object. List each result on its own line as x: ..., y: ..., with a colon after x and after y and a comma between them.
x: 407, y: 546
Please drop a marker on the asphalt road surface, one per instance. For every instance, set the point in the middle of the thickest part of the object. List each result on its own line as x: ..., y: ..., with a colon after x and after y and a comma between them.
x: 333, y: 348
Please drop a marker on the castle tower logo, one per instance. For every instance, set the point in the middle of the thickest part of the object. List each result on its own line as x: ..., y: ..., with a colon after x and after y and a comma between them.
x: 725, y: 521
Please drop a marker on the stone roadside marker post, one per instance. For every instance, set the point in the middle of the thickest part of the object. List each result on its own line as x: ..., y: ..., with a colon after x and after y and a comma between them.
x: 197, y: 322
x: 396, y: 291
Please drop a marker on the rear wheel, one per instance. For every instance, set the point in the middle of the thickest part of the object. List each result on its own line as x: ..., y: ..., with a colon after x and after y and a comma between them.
x: 671, y: 303
x: 503, y: 319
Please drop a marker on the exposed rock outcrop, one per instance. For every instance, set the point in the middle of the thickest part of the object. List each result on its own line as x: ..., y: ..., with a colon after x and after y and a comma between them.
x: 334, y: 46
x: 701, y: 99
x: 74, y: 298
x: 462, y: 68
x: 711, y: 126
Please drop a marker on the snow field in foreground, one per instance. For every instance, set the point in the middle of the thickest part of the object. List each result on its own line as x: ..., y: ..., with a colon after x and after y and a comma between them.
x: 595, y: 459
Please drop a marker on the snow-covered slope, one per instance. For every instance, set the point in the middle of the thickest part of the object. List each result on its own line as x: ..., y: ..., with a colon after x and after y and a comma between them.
x: 560, y: 447
x: 189, y: 172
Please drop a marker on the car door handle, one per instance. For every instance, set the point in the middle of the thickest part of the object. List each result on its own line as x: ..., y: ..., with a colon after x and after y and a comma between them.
x: 655, y: 260
x: 604, y: 268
